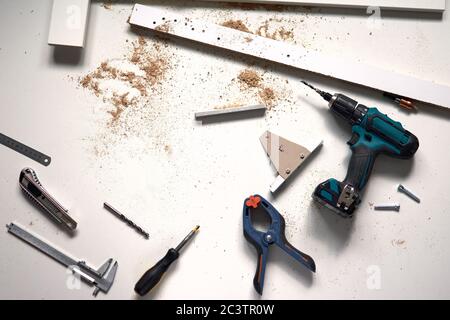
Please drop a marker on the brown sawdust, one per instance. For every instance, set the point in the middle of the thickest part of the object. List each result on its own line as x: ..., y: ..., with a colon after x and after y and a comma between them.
x: 228, y: 106
x: 152, y: 63
x: 163, y: 27
x: 268, y: 97
x: 134, y: 100
x: 281, y: 33
x: 236, y: 24
x: 250, y: 78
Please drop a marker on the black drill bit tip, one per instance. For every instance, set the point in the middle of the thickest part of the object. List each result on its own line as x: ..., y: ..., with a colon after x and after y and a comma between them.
x: 325, y: 95
x: 309, y: 85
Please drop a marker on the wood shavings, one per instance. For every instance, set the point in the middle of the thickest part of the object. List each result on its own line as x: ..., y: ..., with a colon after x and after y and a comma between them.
x: 128, y: 88
x: 236, y: 24
x: 228, y: 106
x: 280, y: 33
x: 268, y: 97
x: 123, y: 81
x: 250, y: 78
x: 264, y: 30
x: 163, y: 28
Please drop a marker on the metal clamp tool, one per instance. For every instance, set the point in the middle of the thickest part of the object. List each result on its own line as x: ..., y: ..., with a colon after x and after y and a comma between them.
x: 32, y: 187
x: 274, y: 235
x: 102, y: 278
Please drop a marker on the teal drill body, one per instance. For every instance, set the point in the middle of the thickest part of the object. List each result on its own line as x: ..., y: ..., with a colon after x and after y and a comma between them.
x: 373, y: 133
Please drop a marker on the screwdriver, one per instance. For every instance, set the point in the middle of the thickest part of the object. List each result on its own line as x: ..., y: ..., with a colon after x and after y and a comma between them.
x: 154, y: 274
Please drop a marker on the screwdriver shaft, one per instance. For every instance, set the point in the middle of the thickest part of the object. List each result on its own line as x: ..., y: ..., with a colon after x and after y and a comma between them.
x: 187, y: 238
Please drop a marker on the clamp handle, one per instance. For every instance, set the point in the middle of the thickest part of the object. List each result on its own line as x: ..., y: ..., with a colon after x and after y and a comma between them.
x: 301, y: 257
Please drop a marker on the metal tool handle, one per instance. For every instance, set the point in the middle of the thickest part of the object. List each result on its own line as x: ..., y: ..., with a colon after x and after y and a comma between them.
x: 32, y: 187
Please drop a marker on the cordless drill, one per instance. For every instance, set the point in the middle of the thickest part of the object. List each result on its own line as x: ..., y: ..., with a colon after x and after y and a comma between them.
x: 372, y: 133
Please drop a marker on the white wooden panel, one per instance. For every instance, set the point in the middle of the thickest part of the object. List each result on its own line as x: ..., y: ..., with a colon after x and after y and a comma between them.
x: 296, y: 56
x: 412, y: 5
x: 68, y: 22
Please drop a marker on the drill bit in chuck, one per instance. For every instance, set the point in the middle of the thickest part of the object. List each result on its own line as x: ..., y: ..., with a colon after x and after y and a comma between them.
x: 325, y: 95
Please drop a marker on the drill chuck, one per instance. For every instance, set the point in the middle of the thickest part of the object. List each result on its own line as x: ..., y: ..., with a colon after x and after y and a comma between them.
x: 347, y: 108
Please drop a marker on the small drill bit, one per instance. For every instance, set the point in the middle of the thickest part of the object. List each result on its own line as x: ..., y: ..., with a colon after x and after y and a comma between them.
x: 125, y: 219
x: 325, y: 95
x: 187, y: 238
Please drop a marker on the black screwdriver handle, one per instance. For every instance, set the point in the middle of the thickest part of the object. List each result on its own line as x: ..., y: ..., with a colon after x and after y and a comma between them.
x: 153, y: 275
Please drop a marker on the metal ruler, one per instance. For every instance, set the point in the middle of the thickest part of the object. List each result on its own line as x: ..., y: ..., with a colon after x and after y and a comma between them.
x: 25, y: 150
x: 401, y: 85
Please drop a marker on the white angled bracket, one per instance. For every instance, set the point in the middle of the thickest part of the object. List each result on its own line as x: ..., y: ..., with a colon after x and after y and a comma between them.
x: 286, y: 156
x: 69, y: 22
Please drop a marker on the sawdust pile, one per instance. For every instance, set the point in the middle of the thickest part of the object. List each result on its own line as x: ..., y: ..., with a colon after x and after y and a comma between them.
x: 250, y: 79
x: 129, y: 88
x: 280, y: 33
x: 264, y: 30
x: 165, y: 27
x: 123, y: 82
x: 236, y: 24
x: 268, y: 96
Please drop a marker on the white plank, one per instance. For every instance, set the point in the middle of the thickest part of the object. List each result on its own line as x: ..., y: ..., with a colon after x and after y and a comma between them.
x: 409, y: 5
x: 68, y: 22
x: 292, y: 55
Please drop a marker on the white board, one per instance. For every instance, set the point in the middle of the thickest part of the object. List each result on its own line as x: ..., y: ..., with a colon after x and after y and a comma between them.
x: 170, y: 22
x: 68, y: 22
x: 410, y: 5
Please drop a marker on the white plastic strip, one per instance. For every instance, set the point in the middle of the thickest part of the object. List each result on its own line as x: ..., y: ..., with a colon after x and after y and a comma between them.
x: 68, y: 23
x: 167, y: 21
x: 407, y: 5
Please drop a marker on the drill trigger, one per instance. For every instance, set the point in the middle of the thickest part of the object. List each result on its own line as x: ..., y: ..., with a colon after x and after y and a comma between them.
x: 354, y: 139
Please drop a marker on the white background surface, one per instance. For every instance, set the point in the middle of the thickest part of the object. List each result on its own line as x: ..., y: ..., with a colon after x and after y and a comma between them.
x: 212, y: 168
